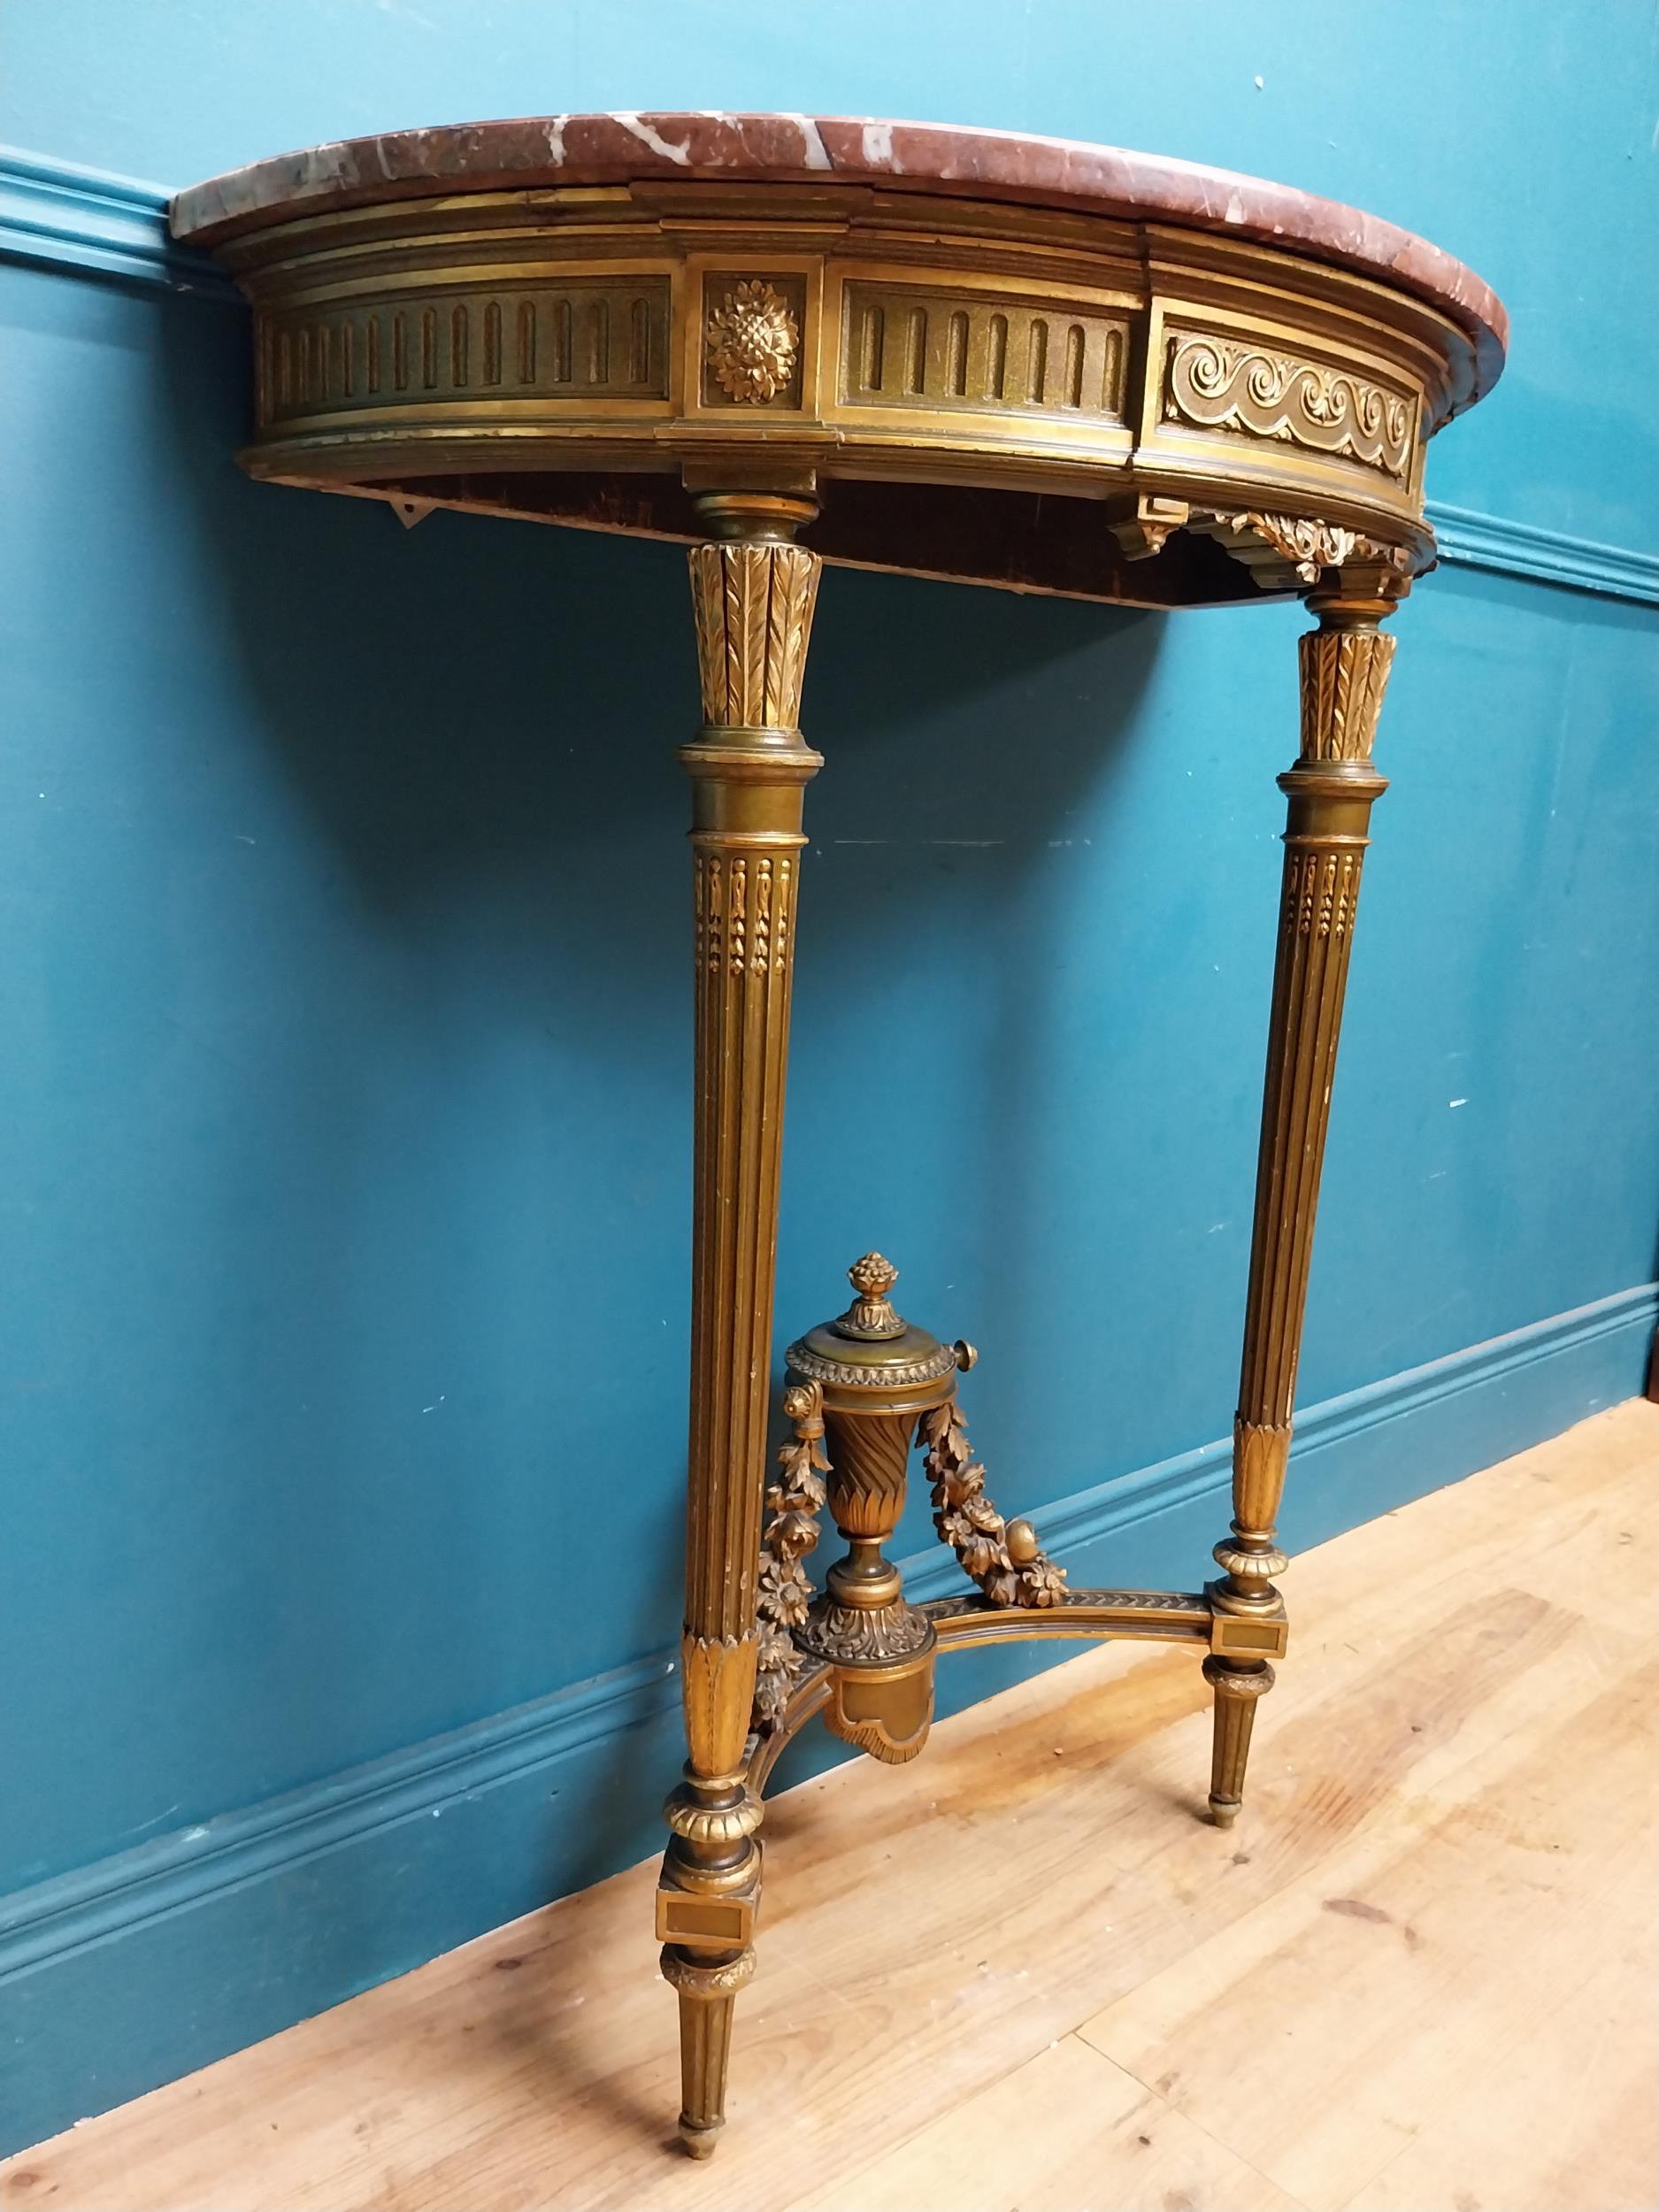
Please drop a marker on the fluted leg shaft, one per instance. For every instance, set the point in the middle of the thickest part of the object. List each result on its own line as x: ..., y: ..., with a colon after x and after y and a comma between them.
x: 752, y: 591
x: 708, y: 1996
x: 1344, y: 665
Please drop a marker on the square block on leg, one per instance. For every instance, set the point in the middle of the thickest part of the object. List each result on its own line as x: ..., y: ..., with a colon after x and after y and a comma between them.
x: 707, y: 1922
x: 1248, y: 1636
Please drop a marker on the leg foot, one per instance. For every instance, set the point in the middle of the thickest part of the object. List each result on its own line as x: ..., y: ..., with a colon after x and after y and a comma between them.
x: 1237, y: 1686
x: 707, y: 1989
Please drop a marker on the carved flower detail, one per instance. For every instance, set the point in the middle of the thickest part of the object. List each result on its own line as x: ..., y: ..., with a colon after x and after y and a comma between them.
x: 799, y: 1488
x: 1042, y: 1583
x: 785, y: 1592
x: 776, y: 1672
x: 976, y: 1534
x: 751, y: 341
x: 959, y: 1484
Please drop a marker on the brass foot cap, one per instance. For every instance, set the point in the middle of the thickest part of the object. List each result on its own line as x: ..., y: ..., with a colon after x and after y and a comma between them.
x: 1224, y: 1811
x: 700, y: 2138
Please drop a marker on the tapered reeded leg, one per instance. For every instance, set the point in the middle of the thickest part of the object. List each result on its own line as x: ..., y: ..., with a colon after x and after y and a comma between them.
x: 1237, y: 1685
x: 753, y: 592
x: 1331, y: 790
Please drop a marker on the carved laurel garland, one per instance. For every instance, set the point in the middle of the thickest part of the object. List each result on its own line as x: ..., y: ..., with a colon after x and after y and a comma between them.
x: 1218, y: 386
x: 795, y: 1499
x: 969, y: 1522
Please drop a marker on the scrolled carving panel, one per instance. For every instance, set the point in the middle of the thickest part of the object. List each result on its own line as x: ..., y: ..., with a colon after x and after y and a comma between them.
x: 1253, y: 390
x: 909, y: 347
x: 598, y: 339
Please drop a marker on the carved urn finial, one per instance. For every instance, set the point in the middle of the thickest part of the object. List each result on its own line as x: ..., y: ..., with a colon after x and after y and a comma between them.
x: 870, y: 1314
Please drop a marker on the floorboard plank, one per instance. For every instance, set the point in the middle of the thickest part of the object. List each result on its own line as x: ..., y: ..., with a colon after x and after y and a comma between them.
x: 1068, y: 2132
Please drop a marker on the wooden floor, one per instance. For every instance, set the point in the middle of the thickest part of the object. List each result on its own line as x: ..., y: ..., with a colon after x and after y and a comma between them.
x: 1418, y: 1975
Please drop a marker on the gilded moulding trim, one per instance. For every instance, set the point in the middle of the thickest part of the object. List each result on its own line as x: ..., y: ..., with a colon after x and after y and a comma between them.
x: 916, y: 1371
x: 83, y: 222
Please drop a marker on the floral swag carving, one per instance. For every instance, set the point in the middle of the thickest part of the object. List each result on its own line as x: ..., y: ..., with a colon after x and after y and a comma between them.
x: 795, y: 1499
x: 1001, y: 1556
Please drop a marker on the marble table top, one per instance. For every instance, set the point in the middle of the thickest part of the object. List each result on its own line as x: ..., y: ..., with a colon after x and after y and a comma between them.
x: 540, y: 152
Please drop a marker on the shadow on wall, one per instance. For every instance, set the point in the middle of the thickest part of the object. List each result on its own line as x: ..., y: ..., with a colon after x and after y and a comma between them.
x: 475, y: 722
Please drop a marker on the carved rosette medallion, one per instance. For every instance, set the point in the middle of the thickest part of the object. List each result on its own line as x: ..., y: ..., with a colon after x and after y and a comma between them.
x: 751, y: 343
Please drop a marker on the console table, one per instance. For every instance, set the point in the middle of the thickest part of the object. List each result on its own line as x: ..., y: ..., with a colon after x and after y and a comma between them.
x: 964, y: 354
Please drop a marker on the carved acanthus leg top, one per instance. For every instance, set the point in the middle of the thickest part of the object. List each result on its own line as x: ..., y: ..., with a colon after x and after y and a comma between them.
x: 752, y: 593
x: 1331, y: 789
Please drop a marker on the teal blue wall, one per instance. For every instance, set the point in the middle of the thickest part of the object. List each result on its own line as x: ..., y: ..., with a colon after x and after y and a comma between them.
x: 342, y: 978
